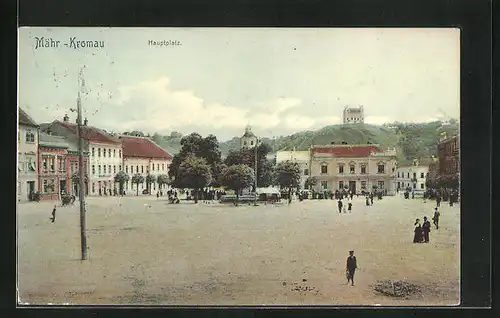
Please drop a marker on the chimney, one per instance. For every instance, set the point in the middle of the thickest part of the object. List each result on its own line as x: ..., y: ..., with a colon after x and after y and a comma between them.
x: 85, y: 122
x: 66, y: 118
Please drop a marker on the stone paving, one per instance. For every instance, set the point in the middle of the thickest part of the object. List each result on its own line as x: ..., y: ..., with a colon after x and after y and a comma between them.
x: 145, y: 251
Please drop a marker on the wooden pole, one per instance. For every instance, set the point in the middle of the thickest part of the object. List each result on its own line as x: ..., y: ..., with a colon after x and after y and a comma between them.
x: 81, y: 192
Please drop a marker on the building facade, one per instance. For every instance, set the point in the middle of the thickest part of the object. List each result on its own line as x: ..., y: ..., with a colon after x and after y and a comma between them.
x: 141, y: 155
x: 355, y: 167
x: 449, y: 162
x: 53, y: 178
x: 413, y: 176
x: 105, y: 153
x: 248, y: 140
x: 353, y: 115
x: 303, y: 158
x: 27, y: 153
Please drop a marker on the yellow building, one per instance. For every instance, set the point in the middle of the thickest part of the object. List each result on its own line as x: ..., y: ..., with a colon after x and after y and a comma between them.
x: 357, y: 167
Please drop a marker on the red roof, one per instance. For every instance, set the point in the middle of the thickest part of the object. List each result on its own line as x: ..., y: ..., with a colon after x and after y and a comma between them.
x: 142, y: 147
x: 91, y: 133
x: 346, y: 150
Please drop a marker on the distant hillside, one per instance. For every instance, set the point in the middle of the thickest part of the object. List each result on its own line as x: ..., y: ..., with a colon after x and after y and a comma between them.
x: 410, y: 140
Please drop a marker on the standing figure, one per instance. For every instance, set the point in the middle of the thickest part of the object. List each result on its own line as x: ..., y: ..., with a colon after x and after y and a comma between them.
x: 435, y: 219
x: 351, y: 267
x: 340, y: 204
x: 438, y: 200
x: 417, y: 237
x: 371, y: 198
x: 426, y: 228
x: 367, y: 201
x: 53, y: 218
x: 349, y: 206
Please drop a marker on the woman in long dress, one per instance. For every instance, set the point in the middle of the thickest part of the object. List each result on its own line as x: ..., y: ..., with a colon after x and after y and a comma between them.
x: 417, y: 237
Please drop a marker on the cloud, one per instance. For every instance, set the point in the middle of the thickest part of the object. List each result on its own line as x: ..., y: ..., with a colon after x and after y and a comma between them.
x: 377, y: 120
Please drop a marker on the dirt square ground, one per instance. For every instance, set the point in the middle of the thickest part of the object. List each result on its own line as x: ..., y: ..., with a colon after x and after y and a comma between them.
x: 145, y: 251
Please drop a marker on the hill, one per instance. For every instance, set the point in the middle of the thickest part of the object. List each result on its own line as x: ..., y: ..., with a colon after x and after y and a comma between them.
x: 410, y: 140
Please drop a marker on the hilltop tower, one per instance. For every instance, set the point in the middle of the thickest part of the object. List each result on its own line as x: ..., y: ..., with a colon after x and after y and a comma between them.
x: 248, y: 140
x: 353, y: 115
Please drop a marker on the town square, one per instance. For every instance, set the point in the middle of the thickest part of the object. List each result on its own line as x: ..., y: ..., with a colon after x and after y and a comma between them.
x: 278, y: 174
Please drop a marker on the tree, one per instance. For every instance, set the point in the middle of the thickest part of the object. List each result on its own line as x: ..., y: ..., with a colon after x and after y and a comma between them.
x: 162, y: 179
x: 196, y: 174
x: 237, y: 177
x: 121, y: 177
x: 311, y: 182
x: 149, y: 180
x: 287, y: 175
x: 136, y: 179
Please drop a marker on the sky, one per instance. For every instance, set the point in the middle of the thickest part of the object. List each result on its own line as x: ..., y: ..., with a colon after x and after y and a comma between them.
x: 219, y: 80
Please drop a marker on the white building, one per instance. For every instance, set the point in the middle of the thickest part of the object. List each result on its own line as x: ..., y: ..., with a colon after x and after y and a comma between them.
x: 248, y: 140
x: 105, y: 153
x: 412, y: 176
x: 353, y: 115
x: 141, y: 155
x: 27, y: 156
x: 303, y: 158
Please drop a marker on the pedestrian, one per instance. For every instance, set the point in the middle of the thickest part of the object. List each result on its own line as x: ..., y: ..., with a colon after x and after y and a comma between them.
x: 53, y: 218
x: 352, y: 195
x: 435, y: 219
x: 438, y: 201
x: 349, y: 206
x: 367, y: 201
x: 413, y: 194
x: 158, y: 195
x: 340, y: 204
x: 371, y: 198
x: 417, y: 237
x: 426, y: 228
x: 351, y: 267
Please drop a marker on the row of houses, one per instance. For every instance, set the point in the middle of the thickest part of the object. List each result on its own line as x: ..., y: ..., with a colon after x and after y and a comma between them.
x: 48, y: 158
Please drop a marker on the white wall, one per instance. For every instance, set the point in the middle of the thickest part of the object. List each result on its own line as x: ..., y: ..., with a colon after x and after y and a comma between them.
x: 404, y: 176
x: 115, y: 161
x: 27, y: 159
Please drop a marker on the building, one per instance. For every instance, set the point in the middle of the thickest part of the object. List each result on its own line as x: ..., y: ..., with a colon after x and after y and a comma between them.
x: 141, y: 155
x: 105, y: 153
x: 301, y: 157
x: 248, y: 140
x: 53, y: 178
x: 27, y: 153
x: 449, y: 162
x: 357, y: 167
x: 353, y: 115
x: 413, y: 175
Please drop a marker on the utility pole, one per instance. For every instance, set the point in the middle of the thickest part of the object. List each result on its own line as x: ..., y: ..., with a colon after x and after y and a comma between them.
x: 81, y: 171
x: 255, y: 148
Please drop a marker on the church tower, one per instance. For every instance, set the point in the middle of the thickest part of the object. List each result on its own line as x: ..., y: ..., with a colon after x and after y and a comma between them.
x: 248, y: 140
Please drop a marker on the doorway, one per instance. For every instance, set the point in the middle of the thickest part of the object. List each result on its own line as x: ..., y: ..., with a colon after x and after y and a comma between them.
x: 62, y: 187
x: 31, y: 189
x: 352, y: 186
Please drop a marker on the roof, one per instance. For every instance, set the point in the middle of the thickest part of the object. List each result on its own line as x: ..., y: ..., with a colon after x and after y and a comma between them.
x: 25, y: 119
x: 142, y: 147
x: 46, y: 140
x: 354, y: 151
x: 248, y: 134
x: 90, y: 133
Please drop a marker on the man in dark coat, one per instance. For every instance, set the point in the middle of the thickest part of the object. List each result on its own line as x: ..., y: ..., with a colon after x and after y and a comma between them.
x: 438, y: 201
x: 53, y: 218
x: 371, y: 198
x: 351, y: 267
x: 435, y: 219
x: 340, y: 204
x: 426, y: 228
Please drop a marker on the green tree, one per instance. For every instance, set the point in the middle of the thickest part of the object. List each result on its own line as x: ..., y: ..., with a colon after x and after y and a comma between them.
x: 121, y: 177
x: 287, y: 175
x: 149, y: 180
x: 136, y: 179
x: 237, y: 177
x: 162, y: 180
x: 311, y: 182
x: 194, y: 173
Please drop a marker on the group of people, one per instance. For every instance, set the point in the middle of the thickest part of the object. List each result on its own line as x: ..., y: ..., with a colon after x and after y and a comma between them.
x: 421, y: 231
x: 341, y: 206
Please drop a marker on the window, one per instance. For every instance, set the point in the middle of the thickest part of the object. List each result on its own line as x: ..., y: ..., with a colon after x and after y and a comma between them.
x: 341, y: 185
x: 399, y: 185
x: 351, y: 169
x: 93, y: 151
x: 45, y: 186
x: 251, y: 143
x: 421, y: 186
x: 398, y: 174
x: 414, y: 175
x: 98, y: 152
x: 306, y: 172
x: 158, y: 166
x: 52, y: 163
x: 341, y: 169
x: 408, y: 175
x: 104, y: 169
x: 324, y: 185
x: 142, y: 169
x: 93, y: 172
x: 44, y: 163
x: 114, y: 169
x: 363, y: 184
x: 363, y: 169
x: 120, y: 167
x: 60, y: 164
x: 421, y: 175
x: 381, y: 168
x: 109, y: 167
x: 381, y: 185
x: 163, y: 167
x: 136, y: 169
x: 93, y: 187
x: 114, y: 153
x: 324, y: 168
x: 126, y: 169
x: 245, y: 143
x: 30, y: 136
x: 153, y: 167
x: 119, y: 153
x: 30, y: 163
x: 109, y: 154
